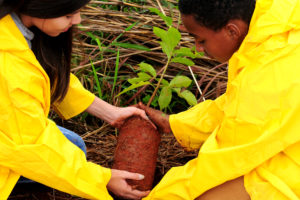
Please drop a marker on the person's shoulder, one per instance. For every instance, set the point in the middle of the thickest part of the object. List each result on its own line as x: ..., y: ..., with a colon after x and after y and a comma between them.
x: 11, y: 38
x: 20, y: 69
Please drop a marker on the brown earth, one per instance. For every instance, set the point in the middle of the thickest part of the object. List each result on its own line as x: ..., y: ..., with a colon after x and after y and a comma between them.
x: 137, y: 150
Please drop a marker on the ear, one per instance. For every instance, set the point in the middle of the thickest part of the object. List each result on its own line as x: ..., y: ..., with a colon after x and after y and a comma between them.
x: 233, y: 31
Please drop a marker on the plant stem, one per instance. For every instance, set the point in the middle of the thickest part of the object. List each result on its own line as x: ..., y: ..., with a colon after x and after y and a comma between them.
x: 141, y: 89
x: 198, y: 87
x: 158, y: 84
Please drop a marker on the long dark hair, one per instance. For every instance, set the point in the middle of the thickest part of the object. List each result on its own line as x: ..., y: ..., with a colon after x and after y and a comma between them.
x: 53, y: 53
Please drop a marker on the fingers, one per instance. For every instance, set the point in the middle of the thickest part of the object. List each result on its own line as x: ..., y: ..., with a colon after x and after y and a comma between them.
x: 124, y: 113
x: 133, y: 176
x: 142, y: 113
x: 120, y: 187
x: 132, y: 193
x: 141, y: 105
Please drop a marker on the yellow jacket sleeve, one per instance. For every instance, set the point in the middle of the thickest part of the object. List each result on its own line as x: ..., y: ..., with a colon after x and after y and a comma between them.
x: 77, y: 100
x: 31, y: 145
x: 193, y: 126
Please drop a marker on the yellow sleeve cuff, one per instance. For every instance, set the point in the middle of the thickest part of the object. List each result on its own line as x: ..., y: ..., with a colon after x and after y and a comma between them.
x: 77, y: 100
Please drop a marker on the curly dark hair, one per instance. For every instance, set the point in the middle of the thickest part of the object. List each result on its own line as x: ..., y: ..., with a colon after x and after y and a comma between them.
x: 215, y: 14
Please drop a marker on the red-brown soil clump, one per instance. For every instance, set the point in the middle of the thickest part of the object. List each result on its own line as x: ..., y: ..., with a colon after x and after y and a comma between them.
x: 137, y: 150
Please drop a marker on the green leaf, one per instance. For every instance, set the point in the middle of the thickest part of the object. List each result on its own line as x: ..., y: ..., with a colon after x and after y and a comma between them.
x: 133, y: 81
x: 131, y: 46
x: 116, y: 71
x: 177, y: 90
x: 95, y: 39
x: 144, y: 76
x: 154, y: 102
x: 184, y: 51
x: 180, y: 81
x: 147, y: 68
x: 167, y: 20
x: 91, y: 35
x: 133, y: 87
x: 169, y: 39
x: 189, y: 97
x: 162, y: 34
x: 174, y: 37
x: 126, y: 29
x: 141, y: 77
x: 165, y: 97
x: 131, y: 26
x: 166, y: 49
x: 96, y: 79
x: 182, y: 60
x: 164, y: 82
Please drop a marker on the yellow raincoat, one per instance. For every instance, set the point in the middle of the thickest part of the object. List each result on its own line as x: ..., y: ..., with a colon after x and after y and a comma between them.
x: 31, y: 145
x: 253, y: 130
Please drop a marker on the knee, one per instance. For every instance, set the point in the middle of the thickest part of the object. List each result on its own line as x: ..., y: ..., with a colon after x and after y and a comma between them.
x: 233, y: 190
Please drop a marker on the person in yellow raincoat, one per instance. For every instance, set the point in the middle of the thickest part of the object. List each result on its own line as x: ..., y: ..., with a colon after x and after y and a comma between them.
x: 35, y: 52
x: 249, y: 135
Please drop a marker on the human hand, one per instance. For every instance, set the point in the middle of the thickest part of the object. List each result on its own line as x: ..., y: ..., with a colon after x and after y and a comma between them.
x: 160, y: 119
x: 119, y: 186
x: 123, y: 113
x: 114, y: 115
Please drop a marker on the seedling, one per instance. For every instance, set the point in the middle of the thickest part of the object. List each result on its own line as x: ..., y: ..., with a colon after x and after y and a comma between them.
x: 169, y: 41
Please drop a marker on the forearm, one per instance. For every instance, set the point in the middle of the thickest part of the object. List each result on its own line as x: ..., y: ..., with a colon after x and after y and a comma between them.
x: 103, y: 110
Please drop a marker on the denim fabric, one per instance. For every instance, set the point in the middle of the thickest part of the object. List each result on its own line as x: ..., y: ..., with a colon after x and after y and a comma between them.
x: 73, y: 137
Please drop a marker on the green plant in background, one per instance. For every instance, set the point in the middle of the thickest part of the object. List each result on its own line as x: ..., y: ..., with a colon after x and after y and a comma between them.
x: 177, y: 84
x: 169, y: 41
x: 102, y: 49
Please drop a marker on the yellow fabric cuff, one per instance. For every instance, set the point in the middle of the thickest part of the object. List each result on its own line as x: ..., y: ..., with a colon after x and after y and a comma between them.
x: 77, y: 100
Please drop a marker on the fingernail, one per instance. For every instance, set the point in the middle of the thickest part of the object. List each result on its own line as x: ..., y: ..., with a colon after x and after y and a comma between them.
x: 141, y: 177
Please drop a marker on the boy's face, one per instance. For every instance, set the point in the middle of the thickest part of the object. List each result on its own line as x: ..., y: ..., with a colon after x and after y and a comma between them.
x: 219, y: 45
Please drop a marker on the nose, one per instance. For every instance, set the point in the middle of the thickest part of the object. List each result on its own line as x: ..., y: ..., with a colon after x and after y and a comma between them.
x: 76, y: 18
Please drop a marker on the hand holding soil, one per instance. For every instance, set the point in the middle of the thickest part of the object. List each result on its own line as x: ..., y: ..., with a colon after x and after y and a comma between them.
x: 119, y: 186
x: 123, y: 113
x: 114, y: 115
x: 160, y: 119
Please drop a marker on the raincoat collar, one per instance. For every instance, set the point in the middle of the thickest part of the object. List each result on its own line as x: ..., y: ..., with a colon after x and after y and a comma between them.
x: 29, y: 35
x: 11, y: 37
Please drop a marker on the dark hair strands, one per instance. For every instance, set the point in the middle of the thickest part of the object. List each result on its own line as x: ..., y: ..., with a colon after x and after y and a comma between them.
x: 216, y: 14
x: 9, y: 6
x: 53, y: 53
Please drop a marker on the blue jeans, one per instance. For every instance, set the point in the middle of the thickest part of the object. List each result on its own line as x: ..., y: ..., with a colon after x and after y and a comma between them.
x: 73, y: 137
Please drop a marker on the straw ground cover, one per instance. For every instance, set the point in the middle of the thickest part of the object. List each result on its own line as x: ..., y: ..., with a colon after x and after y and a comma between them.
x: 114, y: 37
